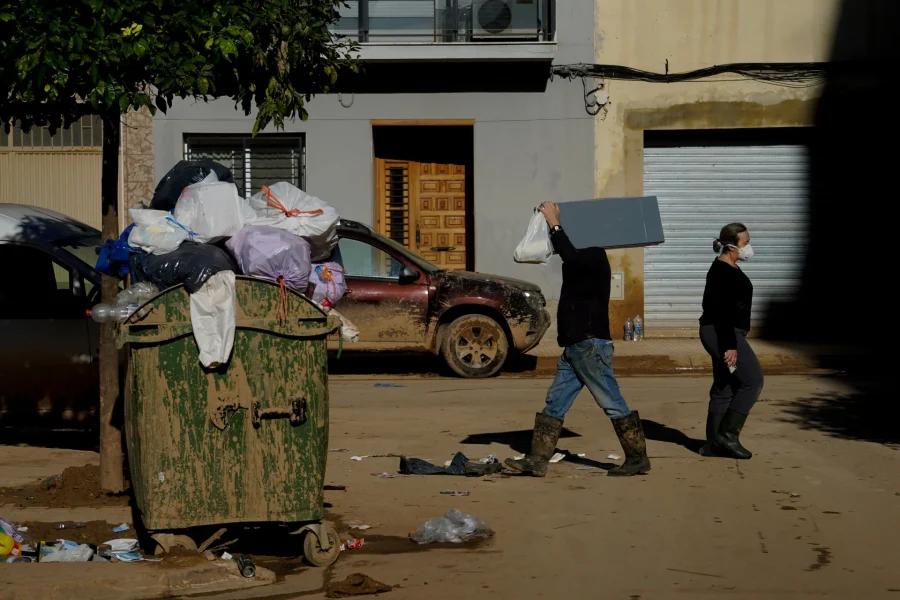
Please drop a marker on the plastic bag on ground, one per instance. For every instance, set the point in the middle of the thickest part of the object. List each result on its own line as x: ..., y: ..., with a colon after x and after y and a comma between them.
x: 213, y: 318
x: 328, y: 279
x: 273, y: 254
x: 455, y: 527
x: 70, y: 553
x: 155, y: 231
x: 183, y: 174
x: 191, y: 264
x: 211, y: 210
x: 535, y: 247
x: 286, y: 206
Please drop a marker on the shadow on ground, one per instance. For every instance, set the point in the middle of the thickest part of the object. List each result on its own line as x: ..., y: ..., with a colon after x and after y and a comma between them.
x: 869, y: 412
x: 661, y: 432
x: 421, y: 364
x: 518, y: 441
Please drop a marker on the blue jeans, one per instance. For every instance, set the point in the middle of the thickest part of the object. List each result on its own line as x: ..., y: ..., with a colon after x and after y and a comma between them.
x: 587, y: 363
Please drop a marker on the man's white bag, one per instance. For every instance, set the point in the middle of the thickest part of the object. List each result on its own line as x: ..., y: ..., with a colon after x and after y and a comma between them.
x: 535, y: 247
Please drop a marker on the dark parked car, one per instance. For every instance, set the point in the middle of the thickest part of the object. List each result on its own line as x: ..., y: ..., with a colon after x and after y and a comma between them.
x: 48, y: 344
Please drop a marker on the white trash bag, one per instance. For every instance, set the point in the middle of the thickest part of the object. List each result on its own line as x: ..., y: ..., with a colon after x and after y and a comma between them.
x: 155, y: 231
x: 535, y: 247
x: 288, y: 207
x: 213, y: 309
x: 211, y: 210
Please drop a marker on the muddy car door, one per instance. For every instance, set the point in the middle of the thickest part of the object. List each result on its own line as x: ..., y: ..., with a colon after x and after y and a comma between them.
x: 45, y: 354
x: 386, y: 303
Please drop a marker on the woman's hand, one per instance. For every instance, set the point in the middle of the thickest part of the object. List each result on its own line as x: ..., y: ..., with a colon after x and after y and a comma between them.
x: 550, y: 210
x: 731, y: 358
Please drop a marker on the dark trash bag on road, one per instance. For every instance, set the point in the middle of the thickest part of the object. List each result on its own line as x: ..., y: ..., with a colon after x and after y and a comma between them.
x: 183, y: 174
x: 460, y: 465
x: 191, y: 264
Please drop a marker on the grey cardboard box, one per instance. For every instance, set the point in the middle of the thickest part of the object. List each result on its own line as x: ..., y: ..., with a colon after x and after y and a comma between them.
x: 612, y: 222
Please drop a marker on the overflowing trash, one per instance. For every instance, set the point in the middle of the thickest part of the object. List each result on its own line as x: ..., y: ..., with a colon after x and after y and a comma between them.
x: 198, y: 225
x: 455, y: 527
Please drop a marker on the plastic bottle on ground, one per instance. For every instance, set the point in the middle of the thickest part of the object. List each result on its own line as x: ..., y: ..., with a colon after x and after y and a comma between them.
x: 638, y: 328
x: 629, y: 330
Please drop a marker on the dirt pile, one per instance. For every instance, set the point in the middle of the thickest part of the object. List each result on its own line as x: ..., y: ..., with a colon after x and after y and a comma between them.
x: 357, y: 584
x: 77, y: 486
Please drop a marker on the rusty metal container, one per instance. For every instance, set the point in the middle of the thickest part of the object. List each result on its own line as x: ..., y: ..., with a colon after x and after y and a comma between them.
x: 244, y: 443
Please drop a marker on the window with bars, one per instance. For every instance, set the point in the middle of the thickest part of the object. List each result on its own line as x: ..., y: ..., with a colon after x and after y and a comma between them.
x: 87, y: 132
x: 254, y: 162
x: 396, y: 202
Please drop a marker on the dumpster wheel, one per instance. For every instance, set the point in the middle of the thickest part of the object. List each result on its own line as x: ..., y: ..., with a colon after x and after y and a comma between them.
x: 312, y: 548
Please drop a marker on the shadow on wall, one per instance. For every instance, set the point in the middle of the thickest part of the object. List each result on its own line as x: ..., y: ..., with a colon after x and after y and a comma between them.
x: 844, y: 297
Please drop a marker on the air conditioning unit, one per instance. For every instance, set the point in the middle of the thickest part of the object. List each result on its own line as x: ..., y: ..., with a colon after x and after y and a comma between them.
x: 499, y: 20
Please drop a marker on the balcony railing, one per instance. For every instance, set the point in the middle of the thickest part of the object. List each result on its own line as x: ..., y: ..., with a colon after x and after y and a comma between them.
x: 447, y: 21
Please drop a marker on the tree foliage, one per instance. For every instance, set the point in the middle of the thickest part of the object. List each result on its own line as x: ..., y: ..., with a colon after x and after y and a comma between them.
x: 62, y: 60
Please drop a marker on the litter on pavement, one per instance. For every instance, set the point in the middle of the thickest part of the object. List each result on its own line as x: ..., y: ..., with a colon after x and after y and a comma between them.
x: 389, y: 385
x: 121, y: 528
x: 385, y: 475
x: 359, y: 457
x: 453, y: 493
x: 354, y: 544
x: 455, y: 527
x: 613, y: 457
x: 557, y: 457
x: 460, y: 465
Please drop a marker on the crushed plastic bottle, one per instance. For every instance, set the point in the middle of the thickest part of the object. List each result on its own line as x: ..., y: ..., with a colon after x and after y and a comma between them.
x: 455, y: 527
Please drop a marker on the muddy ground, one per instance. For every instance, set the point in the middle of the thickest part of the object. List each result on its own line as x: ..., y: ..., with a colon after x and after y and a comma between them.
x: 811, y: 515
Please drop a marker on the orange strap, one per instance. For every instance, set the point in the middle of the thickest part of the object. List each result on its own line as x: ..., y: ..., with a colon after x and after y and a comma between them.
x: 273, y: 202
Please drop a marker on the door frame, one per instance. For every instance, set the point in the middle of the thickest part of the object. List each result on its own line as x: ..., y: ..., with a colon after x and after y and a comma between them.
x: 377, y: 169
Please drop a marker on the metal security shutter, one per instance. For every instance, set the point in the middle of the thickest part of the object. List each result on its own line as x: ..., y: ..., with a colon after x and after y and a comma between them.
x: 700, y: 189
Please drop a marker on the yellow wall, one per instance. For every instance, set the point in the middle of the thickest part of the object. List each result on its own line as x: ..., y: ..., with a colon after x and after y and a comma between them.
x: 694, y: 34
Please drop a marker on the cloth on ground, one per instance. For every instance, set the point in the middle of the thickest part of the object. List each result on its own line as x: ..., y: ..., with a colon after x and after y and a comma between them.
x: 460, y: 465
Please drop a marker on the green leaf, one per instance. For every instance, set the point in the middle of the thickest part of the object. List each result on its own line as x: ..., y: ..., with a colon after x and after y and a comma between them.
x: 127, y: 49
x: 95, y: 72
x: 209, y: 43
x: 7, y: 17
x: 124, y: 103
x: 161, y: 103
x: 227, y: 47
x: 141, y: 47
x: 203, y: 85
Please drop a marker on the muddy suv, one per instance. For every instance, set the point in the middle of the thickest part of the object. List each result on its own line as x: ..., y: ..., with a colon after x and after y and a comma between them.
x: 400, y: 301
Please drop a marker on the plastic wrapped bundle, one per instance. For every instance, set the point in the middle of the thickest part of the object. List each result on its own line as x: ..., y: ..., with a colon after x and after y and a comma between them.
x: 183, y: 174
x: 328, y: 279
x: 191, y: 264
x: 273, y: 254
x: 156, y: 231
x: 212, y: 210
x: 287, y: 207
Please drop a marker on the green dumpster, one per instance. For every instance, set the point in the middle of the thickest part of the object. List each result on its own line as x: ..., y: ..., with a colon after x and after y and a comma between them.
x: 244, y: 443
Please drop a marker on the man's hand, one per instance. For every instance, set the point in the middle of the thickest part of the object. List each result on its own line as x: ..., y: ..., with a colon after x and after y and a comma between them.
x: 550, y: 210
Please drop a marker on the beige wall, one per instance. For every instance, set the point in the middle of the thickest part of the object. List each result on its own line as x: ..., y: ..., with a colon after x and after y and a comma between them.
x: 693, y: 34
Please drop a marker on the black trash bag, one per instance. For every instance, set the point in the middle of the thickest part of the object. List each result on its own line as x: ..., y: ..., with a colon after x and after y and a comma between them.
x: 191, y: 264
x: 183, y: 174
x: 460, y: 465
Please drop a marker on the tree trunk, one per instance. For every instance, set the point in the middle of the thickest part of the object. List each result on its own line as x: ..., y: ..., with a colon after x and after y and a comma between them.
x: 111, y: 460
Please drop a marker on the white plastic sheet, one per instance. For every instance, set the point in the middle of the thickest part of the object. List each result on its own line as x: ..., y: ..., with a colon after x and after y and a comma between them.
x: 213, y: 318
x: 288, y: 207
x: 535, y: 247
x: 349, y: 331
x: 155, y: 231
x: 211, y: 210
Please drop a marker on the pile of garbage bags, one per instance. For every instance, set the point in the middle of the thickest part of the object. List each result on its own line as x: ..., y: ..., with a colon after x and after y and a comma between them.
x: 199, y: 231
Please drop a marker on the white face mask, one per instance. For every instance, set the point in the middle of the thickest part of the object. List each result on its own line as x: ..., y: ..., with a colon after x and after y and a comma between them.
x: 745, y: 253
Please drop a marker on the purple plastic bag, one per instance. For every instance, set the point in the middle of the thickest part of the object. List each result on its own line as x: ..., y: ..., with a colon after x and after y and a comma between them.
x: 272, y: 253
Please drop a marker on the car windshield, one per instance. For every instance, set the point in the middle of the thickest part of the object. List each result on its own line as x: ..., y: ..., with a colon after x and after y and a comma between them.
x: 418, y: 260
x: 84, y: 248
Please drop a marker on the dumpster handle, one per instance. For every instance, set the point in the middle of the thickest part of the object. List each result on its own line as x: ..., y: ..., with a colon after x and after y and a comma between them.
x: 296, y: 412
x: 163, y: 332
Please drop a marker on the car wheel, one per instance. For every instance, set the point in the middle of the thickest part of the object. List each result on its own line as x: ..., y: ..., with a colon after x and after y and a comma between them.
x: 475, y: 346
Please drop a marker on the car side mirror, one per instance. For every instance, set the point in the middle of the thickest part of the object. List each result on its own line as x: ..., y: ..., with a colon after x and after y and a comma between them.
x: 408, y: 275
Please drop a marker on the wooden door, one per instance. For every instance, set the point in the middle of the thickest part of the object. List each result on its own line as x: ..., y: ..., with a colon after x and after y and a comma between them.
x: 441, y: 214
x: 423, y: 207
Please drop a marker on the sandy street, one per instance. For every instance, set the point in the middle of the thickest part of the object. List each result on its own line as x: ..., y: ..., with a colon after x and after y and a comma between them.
x: 813, y: 514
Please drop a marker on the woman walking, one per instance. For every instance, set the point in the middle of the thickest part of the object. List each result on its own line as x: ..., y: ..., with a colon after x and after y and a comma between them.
x: 737, y: 376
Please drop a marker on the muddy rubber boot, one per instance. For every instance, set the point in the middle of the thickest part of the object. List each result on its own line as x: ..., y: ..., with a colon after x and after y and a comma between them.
x: 713, y: 422
x: 631, y: 436
x: 727, y: 440
x: 543, y: 444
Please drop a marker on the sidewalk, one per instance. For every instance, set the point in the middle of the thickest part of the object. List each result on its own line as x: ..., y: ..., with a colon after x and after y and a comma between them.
x: 667, y: 356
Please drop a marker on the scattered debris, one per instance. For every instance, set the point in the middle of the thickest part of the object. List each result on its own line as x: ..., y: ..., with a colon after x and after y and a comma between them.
x: 557, y: 457
x: 490, y: 458
x: 357, y: 584
x: 359, y: 457
x: 340, y: 450
x: 385, y: 475
x: 335, y: 488
x: 460, y: 465
x: 455, y: 527
x: 389, y: 385
x: 354, y: 544
x: 213, y: 538
x: 612, y: 456
x: 226, y: 556
x: 453, y: 493
x: 361, y: 527
x: 121, y: 528
x: 70, y: 525
x: 10, y: 530
x: 793, y: 495
x: 246, y: 567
